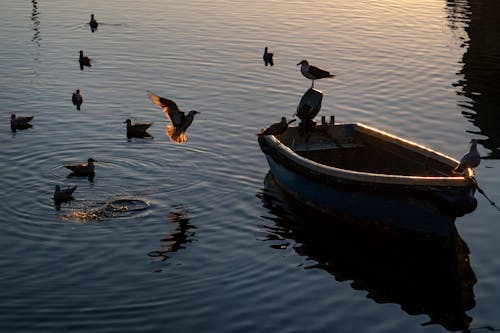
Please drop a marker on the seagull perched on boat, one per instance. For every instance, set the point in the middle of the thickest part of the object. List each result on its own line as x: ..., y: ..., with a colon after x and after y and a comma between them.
x: 77, y: 99
x: 64, y: 194
x: 137, y: 130
x: 276, y: 128
x: 84, y: 60
x: 268, y: 57
x: 82, y: 170
x: 93, y: 23
x: 20, y: 122
x: 313, y: 72
x: 469, y: 160
x: 180, y: 121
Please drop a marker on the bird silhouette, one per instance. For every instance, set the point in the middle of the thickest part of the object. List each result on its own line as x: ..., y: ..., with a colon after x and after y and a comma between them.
x: 180, y: 122
x: 84, y: 60
x: 64, y: 194
x: 77, y: 99
x: 276, y: 128
x: 313, y: 72
x: 93, y: 23
x: 137, y: 130
x: 82, y: 170
x: 20, y: 122
x: 469, y: 160
x: 268, y: 57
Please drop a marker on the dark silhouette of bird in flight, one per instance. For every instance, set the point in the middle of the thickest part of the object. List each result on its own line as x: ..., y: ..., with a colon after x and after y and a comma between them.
x: 77, y: 99
x: 20, y: 122
x: 276, y: 128
x: 137, y: 130
x: 180, y: 122
x: 82, y: 170
x: 313, y: 72
x: 93, y: 23
x: 84, y: 60
x: 469, y: 160
x: 268, y: 57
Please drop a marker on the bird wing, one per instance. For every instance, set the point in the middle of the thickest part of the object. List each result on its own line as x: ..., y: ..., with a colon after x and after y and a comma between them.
x: 169, y: 108
x: 319, y: 73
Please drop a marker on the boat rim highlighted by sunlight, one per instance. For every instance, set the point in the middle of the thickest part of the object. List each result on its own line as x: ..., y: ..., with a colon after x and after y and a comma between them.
x: 369, y: 175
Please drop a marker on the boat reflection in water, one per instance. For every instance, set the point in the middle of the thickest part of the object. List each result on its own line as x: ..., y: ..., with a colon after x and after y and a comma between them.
x: 425, y: 275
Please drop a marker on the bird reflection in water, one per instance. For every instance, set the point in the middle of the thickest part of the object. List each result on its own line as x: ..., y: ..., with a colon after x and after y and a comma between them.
x: 174, y: 240
x: 424, y: 276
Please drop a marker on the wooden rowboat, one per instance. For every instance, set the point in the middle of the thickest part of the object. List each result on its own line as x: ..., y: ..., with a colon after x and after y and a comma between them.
x: 369, y: 175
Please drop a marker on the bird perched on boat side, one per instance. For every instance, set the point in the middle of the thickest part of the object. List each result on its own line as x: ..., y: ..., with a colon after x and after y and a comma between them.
x: 63, y: 194
x: 313, y: 72
x: 469, y: 160
x: 77, y: 99
x: 20, y: 122
x: 268, y: 57
x: 84, y: 60
x: 137, y: 130
x: 180, y: 122
x: 276, y: 128
x: 82, y: 170
x: 93, y: 23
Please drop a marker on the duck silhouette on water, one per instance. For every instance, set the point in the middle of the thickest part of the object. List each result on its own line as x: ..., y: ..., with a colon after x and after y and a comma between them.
x: 77, y: 99
x: 20, y: 122
x: 82, y: 170
x: 63, y: 195
x: 180, y: 122
x: 268, y: 57
x: 84, y: 60
x: 137, y: 130
x: 93, y: 23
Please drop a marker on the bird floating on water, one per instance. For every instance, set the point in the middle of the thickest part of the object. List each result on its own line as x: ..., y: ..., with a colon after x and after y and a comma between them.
x: 313, y: 72
x: 77, y: 99
x: 469, y: 160
x: 268, y: 57
x: 82, y: 170
x: 137, y: 130
x: 276, y: 128
x: 64, y: 194
x: 20, y: 122
x: 180, y: 121
x: 93, y: 23
x: 84, y: 60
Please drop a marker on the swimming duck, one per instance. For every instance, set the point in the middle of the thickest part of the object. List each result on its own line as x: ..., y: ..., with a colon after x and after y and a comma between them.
x: 20, y: 122
x: 77, y: 99
x: 137, y: 130
x: 276, y: 128
x: 313, y: 72
x: 179, y: 120
x: 93, y: 23
x: 83, y: 169
x: 268, y: 57
x: 84, y: 60
x: 469, y: 160
x: 64, y: 194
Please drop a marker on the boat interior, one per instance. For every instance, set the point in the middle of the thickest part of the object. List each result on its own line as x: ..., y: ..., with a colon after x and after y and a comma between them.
x: 358, y: 148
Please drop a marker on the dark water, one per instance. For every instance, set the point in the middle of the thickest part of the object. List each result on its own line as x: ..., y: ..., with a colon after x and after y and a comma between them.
x: 195, y: 237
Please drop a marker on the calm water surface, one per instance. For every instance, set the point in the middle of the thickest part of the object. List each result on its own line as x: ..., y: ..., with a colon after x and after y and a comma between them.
x: 220, y: 248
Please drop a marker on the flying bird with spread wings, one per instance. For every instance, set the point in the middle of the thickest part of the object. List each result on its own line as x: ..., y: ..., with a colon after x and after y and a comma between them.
x: 180, y: 122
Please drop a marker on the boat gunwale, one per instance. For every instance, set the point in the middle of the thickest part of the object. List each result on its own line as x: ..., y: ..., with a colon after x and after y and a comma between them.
x: 360, y: 176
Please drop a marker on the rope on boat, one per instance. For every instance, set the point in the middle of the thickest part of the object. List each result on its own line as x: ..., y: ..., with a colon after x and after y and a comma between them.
x: 484, y: 194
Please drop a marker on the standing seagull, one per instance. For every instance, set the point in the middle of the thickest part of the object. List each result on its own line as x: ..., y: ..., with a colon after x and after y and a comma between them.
x: 276, y: 128
x: 137, y: 130
x: 469, y: 160
x: 20, y: 122
x: 84, y: 60
x: 313, y: 72
x: 77, y: 99
x: 268, y: 57
x: 180, y: 121
x: 93, y: 23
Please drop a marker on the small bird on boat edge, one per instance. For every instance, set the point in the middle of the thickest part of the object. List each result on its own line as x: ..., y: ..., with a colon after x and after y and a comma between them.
x: 469, y: 160
x: 276, y: 128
